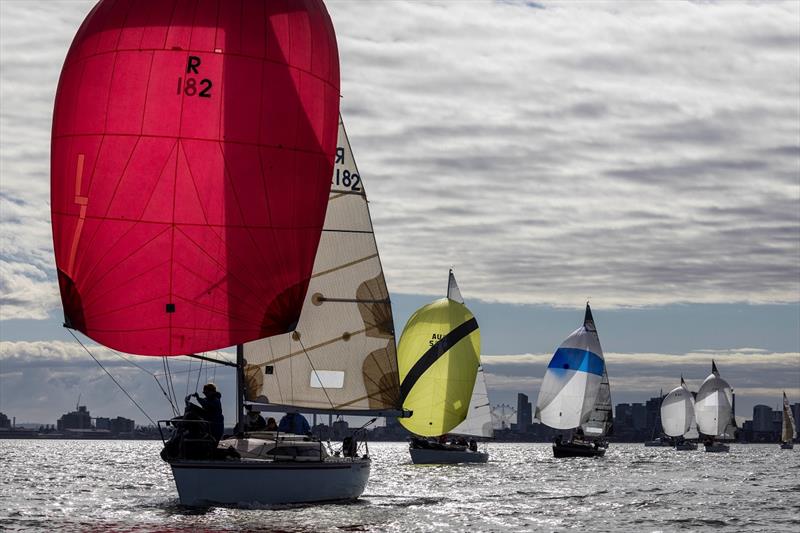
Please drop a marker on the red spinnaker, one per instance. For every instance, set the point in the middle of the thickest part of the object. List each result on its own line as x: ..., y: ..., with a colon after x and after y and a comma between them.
x: 192, y: 150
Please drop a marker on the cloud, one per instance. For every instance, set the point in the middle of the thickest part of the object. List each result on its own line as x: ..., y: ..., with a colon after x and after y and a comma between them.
x: 643, y: 155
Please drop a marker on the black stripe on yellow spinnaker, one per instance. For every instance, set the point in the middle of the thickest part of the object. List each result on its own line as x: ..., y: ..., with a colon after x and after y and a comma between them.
x: 438, y: 359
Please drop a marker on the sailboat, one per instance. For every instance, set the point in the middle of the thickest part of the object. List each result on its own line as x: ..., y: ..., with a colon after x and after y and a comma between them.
x: 661, y: 440
x: 788, y: 429
x: 713, y: 411
x: 575, y: 394
x: 204, y: 218
x: 677, y: 417
x: 439, y: 363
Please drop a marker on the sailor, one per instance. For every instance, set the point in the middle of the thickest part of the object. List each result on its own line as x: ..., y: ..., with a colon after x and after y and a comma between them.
x: 271, y: 424
x: 212, y: 409
x: 255, y: 422
x: 294, y: 423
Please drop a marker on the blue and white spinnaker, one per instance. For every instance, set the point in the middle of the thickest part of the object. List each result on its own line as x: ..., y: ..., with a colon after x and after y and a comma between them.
x: 573, y: 378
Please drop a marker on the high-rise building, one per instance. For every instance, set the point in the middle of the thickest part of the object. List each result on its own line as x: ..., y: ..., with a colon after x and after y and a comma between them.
x: 762, y: 419
x: 524, y: 413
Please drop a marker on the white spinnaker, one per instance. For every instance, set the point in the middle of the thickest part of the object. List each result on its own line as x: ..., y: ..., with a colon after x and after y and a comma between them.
x: 788, y: 429
x: 677, y: 412
x: 452, y: 288
x: 479, y: 417
x: 342, y: 352
x: 572, y: 380
x: 713, y: 405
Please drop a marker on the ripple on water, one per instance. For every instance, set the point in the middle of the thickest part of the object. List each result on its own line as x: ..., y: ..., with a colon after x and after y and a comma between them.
x: 123, y: 486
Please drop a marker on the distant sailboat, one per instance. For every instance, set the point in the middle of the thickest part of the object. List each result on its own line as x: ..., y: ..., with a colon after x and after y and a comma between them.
x: 661, y: 440
x: 575, y: 393
x: 439, y: 363
x: 677, y: 417
x: 713, y: 410
x: 788, y: 429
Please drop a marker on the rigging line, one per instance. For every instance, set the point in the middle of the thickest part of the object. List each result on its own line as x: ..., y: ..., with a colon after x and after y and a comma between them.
x: 112, y: 377
x: 188, y: 377
x: 199, y: 372
x: 168, y: 382
x: 171, y: 382
x: 325, y: 390
x: 155, y: 377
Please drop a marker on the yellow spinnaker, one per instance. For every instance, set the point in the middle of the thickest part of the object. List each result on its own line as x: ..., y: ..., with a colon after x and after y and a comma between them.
x: 438, y: 357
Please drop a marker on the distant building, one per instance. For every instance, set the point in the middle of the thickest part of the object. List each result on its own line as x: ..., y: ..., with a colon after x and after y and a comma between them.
x: 115, y: 425
x: 80, y: 419
x: 524, y: 413
x: 5, y: 423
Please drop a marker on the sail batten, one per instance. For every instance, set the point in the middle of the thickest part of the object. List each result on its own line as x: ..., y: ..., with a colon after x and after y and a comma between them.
x: 341, y: 356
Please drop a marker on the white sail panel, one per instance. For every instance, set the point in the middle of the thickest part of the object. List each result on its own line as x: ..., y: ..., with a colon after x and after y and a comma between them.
x: 572, y: 380
x: 713, y: 405
x: 346, y: 331
x: 788, y: 429
x: 452, y: 288
x: 599, y: 422
x: 479, y: 417
x: 677, y: 411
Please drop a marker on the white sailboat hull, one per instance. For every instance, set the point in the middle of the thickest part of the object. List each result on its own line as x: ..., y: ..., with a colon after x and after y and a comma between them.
x: 423, y: 456
x: 245, y: 482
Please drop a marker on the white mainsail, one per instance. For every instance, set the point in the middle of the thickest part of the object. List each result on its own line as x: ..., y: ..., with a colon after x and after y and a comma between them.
x: 342, y: 354
x: 479, y: 417
x: 713, y: 406
x: 677, y: 411
x: 600, y: 418
x: 788, y: 429
x: 572, y: 381
x: 452, y: 289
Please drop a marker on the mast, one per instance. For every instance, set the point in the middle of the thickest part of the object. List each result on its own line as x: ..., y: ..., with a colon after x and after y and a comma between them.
x: 239, y: 384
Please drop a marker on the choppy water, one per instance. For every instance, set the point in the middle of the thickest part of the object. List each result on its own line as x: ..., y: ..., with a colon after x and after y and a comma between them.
x: 123, y: 485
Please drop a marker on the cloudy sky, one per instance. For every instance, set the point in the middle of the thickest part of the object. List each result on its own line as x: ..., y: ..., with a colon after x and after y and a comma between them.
x: 645, y: 155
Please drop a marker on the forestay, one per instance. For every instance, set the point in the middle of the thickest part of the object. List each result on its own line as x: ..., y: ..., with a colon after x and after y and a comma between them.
x: 479, y: 417
x: 342, y: 354
x: 677, y: 411
x: 713, y: 405
x: 572, y: 381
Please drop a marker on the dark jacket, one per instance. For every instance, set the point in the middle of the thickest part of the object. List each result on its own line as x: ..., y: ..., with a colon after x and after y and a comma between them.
x: 212, y: 407
x: 294, y: 423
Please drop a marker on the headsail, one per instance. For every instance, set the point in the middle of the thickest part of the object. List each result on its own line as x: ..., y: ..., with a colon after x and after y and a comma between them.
x: 677, y: 411
x: 713, y: 405
x: 479, y: 417
x: 438, y: 360
x: 192, y: 144
x: 788, y: 429
x: 341, y: 355
x: 572, y: 381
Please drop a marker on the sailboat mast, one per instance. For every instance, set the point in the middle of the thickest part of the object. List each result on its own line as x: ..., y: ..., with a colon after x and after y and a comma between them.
x: 239, y: 384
